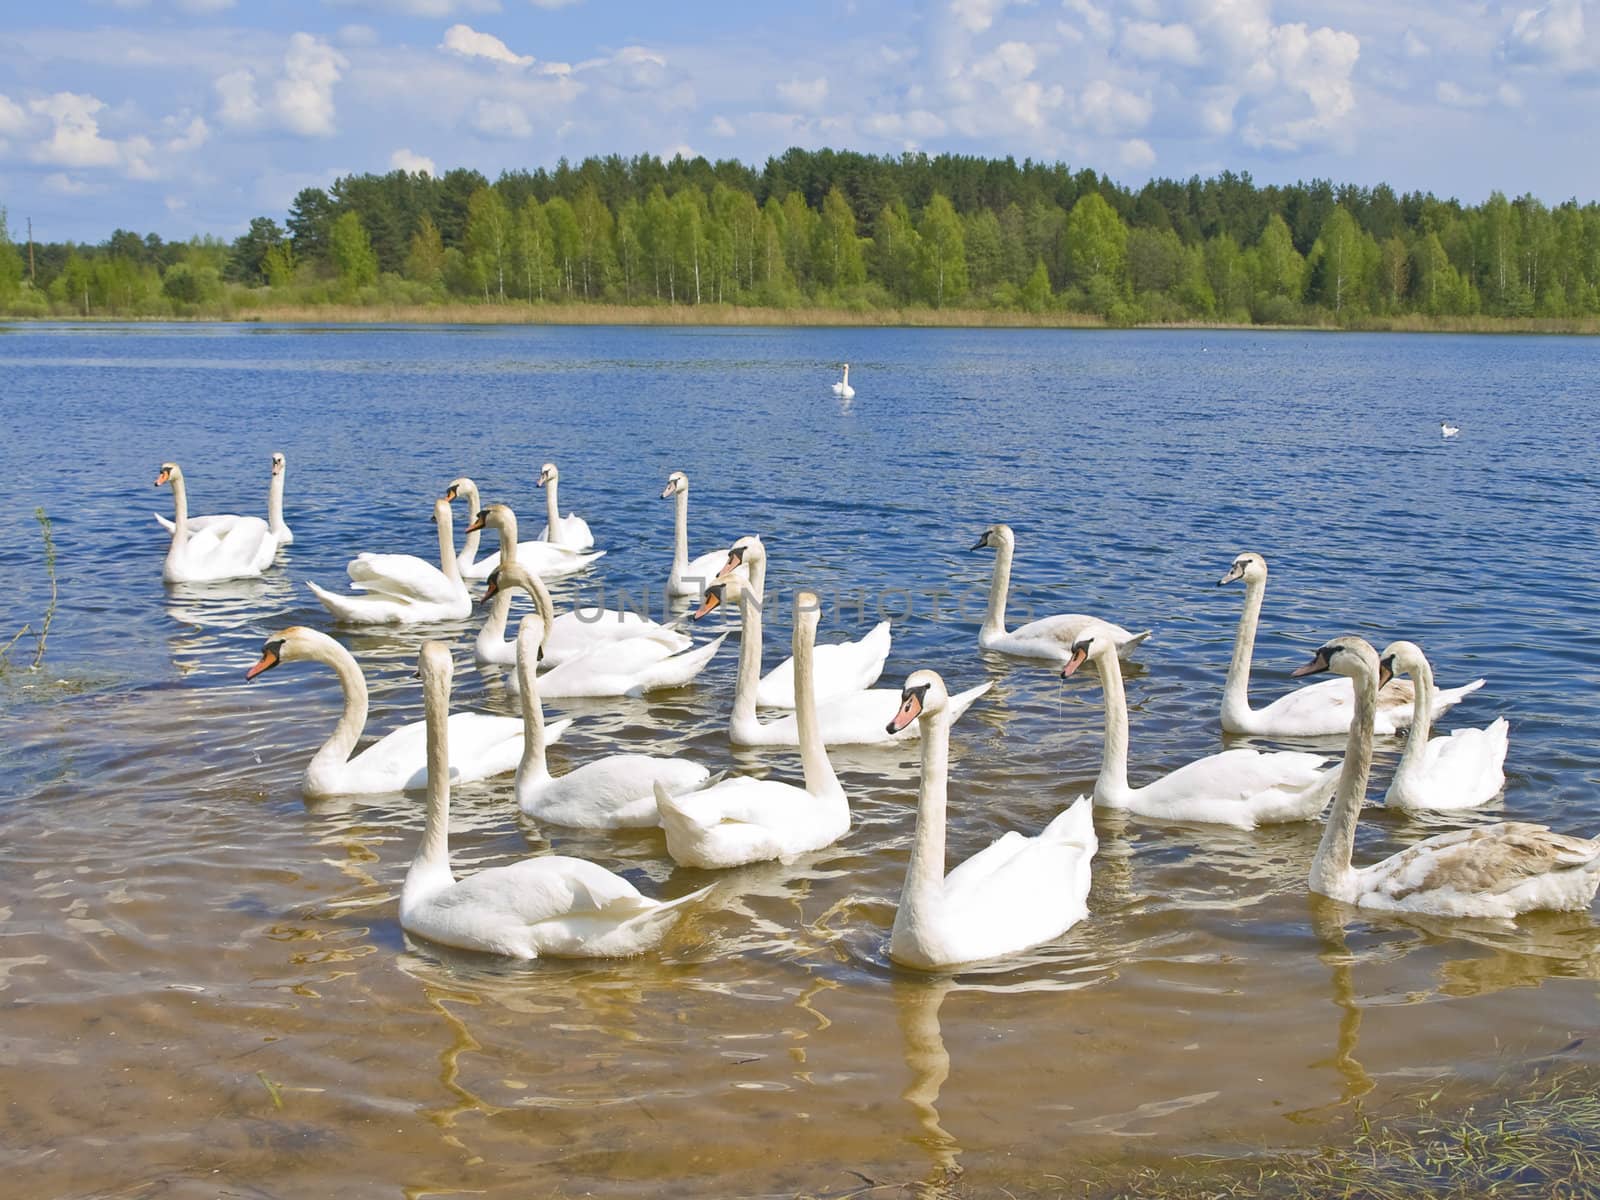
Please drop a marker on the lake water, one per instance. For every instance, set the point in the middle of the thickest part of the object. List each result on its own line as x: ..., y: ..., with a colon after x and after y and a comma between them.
x: 205, y: 987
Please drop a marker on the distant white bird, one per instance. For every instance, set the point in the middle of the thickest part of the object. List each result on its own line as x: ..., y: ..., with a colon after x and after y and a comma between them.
x: 842, y: 389
x: 1448, y: 429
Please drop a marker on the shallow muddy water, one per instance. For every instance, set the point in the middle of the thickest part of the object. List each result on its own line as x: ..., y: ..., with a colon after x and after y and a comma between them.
x: 204, y: 984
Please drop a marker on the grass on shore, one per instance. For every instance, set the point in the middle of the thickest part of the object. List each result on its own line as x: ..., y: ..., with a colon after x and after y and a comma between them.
x: 735, y: 316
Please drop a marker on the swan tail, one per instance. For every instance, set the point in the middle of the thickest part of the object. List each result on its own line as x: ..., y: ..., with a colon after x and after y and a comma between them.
x: 165, y: 523
x: 1074, y: 825
x: 1450, y: 696
x: 679, y: 669
x: 1133, y: 643
x: 331, y: 601
x: 678, y: 823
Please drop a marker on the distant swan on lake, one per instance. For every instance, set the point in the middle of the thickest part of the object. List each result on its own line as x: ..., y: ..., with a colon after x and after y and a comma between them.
x: 1448, y: 429
x: 842, y: 389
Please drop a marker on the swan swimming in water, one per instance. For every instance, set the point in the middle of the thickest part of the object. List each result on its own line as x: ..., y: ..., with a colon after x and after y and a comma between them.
x: 1484, y: 871
x: 553, y: 906
x: 1463, y: 770
x: 241, y: 548
x: 1449, y: 430
x: 842, y: 388
x: 275, y: 521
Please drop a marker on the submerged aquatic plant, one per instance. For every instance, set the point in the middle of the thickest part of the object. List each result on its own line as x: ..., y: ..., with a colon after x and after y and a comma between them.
x: 50, y: 609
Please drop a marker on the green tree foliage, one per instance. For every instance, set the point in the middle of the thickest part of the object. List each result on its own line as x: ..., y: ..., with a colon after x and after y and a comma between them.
x: 836, y: 227
x: 351, y: 251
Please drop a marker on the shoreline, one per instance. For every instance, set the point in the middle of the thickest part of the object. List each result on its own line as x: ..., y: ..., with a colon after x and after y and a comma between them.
x: 739, y: 316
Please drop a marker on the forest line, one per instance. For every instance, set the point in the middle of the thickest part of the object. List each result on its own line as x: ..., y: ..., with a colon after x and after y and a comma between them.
x: 969, y: 240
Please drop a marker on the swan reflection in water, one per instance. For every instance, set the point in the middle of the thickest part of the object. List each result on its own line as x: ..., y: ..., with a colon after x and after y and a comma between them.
x: 917, y: 1003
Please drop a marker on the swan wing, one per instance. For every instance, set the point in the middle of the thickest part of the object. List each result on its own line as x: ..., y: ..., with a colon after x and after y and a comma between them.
x: 838, y: 667
x: 737, y: 821
x: 1465, y: 871
x: 403, y: 576
x: 616, y: 792
x: 481, y: 746
x: 1241, y: 787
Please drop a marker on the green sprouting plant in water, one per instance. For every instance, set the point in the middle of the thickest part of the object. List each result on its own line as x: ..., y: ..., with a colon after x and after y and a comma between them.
x: 43, y: 631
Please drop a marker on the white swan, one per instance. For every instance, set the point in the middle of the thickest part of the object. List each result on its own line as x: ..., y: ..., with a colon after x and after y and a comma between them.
x: 402, y: 588
x: 1449, y: 430
x: 1485, y: 871
x: 746, y: 820
x: 843, y: 389
x: 838, y: 668
x: 1463, y: 770
x: 275, y: 521
x: 571, y: 531
x: 481, y: 745
x: 1319, y: 710
x: 615, y: 792
x: 239, y: 549
x: 688, y: 578
x: 553, y: 906
x: 1016, y: 893
x: 1049, y: 638
x: 547, y: 559
x: 572, y: 634
x: 624, y: 667
x: 848, y: 718
x: 1243, y: 788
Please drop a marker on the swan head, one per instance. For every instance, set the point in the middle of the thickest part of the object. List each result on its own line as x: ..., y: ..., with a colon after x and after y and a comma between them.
x: 747, y: 551
x: 507, y: 575
x: 1251, y: 568
x: 169, y: 471
x: 1399, y: 658
x: 496, y: 516
x: 994, y: 537
x: 923, y: 695
x: 676, y: 482
x: 1349, y: 656
x: 461, y: 486
x: 279, y: 463
x: 548, y: 474
x: 294, y: 644
x: 434, y: 665
x: 1094, y: 641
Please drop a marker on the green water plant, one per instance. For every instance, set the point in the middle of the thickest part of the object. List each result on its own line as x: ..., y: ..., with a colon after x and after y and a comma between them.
x: 43, y: 631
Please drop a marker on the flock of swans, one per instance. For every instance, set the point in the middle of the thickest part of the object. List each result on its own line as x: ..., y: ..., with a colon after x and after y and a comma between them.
x: 1017, y: 893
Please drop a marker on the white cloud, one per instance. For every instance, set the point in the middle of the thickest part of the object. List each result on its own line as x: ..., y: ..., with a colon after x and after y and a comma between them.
x: 13, y: 120
x: 65, y: 185
x: 1553, y: 33
x: 1151, y: 42
x: 1108, y: 109
x: 304, y: 96
x: 1413, y: 46
x: 237, y: 92
x: 469, y: 43
x: 553, y: 3
x: 501, y: 119
x: 1509, y: 95
x: 191, y: 137
x: 416, y: 164
x: 1137, y: 154
x: 805, y: 94
x: 423, y: 8
x: 912, y: 128
x: 722, y: 127
x: 1454, y: 95
x: 1095, y: 19
x: 75, y: 140
x: 975, y: 16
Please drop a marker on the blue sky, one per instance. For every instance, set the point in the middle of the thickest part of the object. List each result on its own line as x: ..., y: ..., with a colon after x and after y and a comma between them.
x: 192, y: 116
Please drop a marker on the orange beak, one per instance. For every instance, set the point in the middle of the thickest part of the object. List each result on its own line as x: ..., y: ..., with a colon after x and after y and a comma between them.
x: 163, y: 477
x: 489, y: 592
x: 910, y: 709
x: 711, y: 601
x: 269, y: 659
x: 666, y: 491
x: 732, y: 565
x: 450, y: 492
x: 1080, y: 655
x: 477, y: 524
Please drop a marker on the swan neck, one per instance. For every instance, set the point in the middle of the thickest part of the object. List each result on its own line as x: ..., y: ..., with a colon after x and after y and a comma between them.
x: 275, y: 504
x: 341, y: 742
x: 532, y: 764
x: 819, y: 776
x: 506, y: 527
x: 1111, y: 788
x: 1421, y: 718
x: 180, y: 509
x: 680, y: 534
x: 1332, y: 864
x: 1236, y: 692
x: 493, y: 633
x: 924, y: 885
x: 447, y: 545
x: 434, y: 849
x: 469, y: 548
x: 534, y: 586
x: 751, y: 601
x: 994, y: 620
x: 551, y: 508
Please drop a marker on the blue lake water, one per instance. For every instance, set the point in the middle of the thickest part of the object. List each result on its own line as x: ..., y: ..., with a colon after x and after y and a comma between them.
x: 179, y: 929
